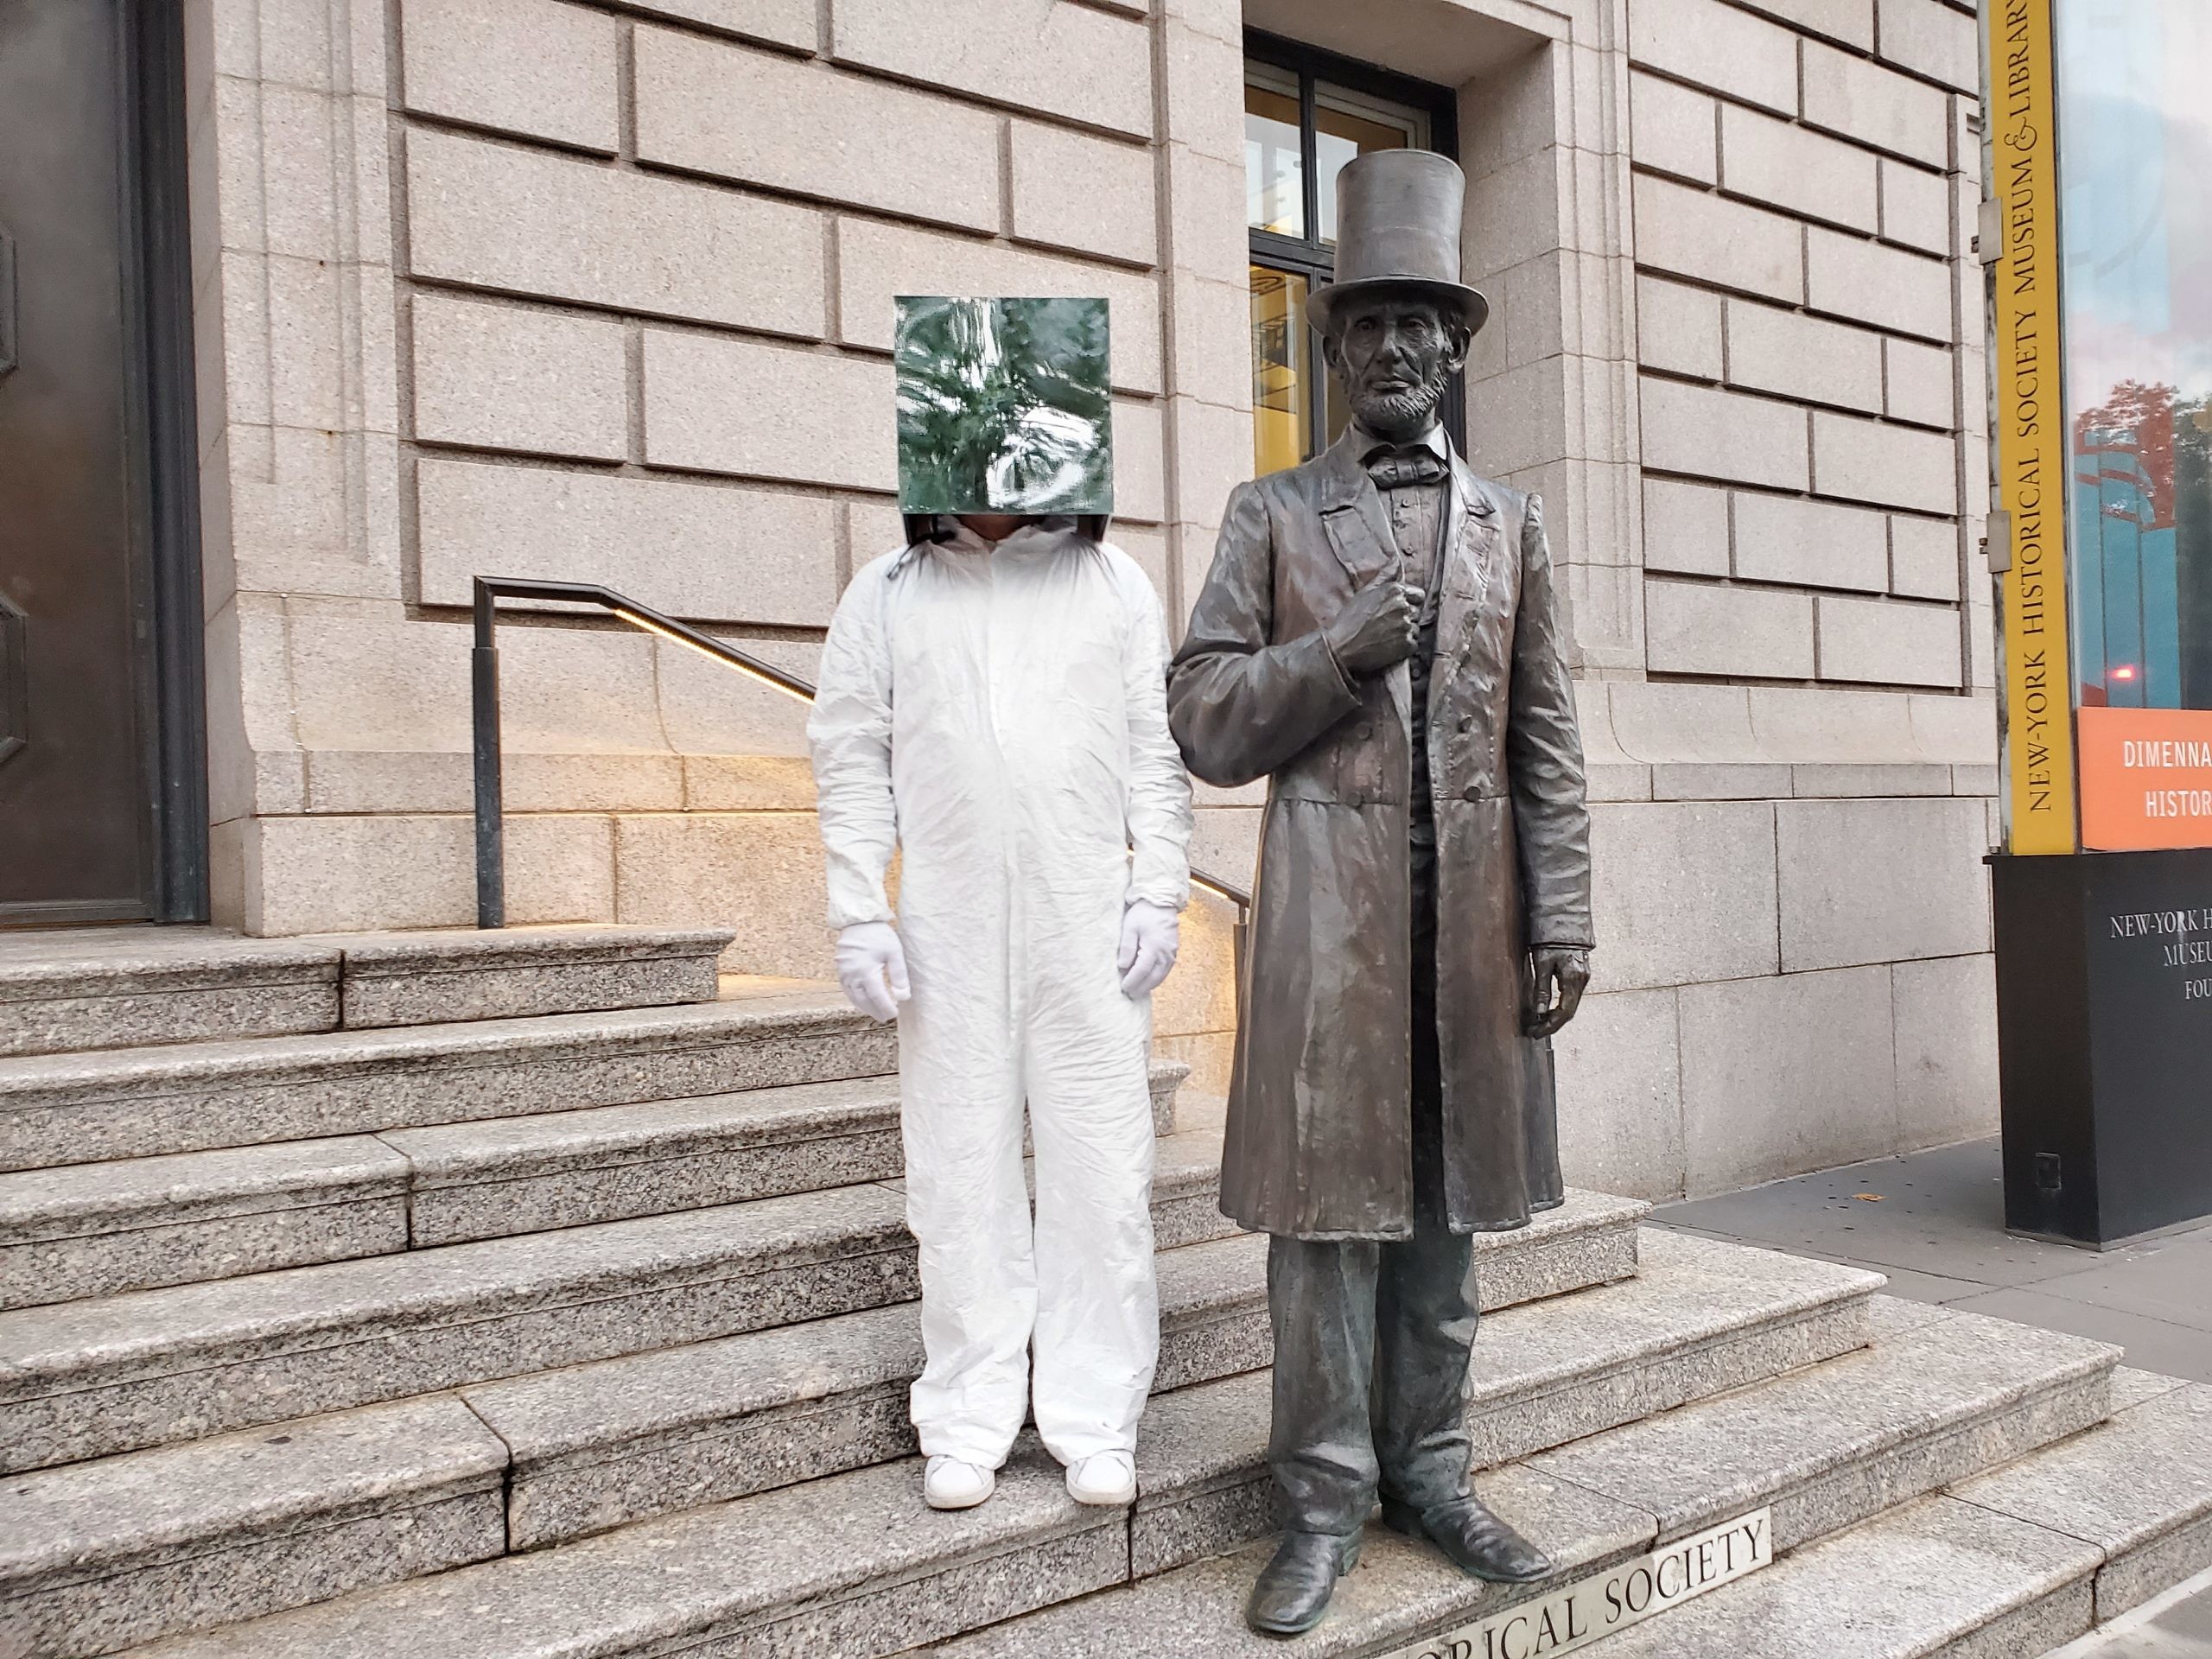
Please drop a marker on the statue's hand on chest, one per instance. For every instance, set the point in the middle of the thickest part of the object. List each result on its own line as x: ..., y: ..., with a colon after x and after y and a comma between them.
x: 1379, y: 627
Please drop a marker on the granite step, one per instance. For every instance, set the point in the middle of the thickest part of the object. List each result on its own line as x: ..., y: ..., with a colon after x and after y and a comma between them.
x: 1939, y: 1397
x: 98, y: 1229
x: 1996, y: 1567
x: 2138, y: 1489
x: 852, y: 1564
x: 95, y: 1555
x: 565, y: 1169
x: 79, y: 990
x: 298, y: 1511
x: 1831, y: 1448
x: 89, y: 1108
x: 1828, y: 1444
x: 89, y: 1378
x: 95, y: 987
x: 102, y: 1555
x: 85, y: 1379
x: 437, y: 976
x: 597, y: 1445
x: 1937, y: 1577
x: 2014, y: 1562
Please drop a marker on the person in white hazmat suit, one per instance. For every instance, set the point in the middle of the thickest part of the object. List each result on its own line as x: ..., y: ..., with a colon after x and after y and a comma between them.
x: 993, y: 704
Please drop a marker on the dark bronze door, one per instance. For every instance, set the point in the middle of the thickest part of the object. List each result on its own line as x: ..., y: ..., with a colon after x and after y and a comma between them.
x: 81, y: 758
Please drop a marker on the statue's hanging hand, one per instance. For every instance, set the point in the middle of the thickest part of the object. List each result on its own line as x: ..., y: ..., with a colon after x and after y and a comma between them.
x: 1557, y: 975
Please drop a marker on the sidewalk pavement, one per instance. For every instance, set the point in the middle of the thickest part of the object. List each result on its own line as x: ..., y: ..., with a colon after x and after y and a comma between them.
x: 2177, y: 1625
x: 1935, y: 1223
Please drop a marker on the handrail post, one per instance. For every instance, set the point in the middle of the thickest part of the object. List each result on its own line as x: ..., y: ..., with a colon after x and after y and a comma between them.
x: 491, y: 844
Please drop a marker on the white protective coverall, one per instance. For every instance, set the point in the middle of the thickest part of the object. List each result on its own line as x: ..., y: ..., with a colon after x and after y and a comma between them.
x: 1000, y: 713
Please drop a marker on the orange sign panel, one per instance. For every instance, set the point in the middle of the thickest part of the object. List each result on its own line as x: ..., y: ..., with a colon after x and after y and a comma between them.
x: 2146, y: 778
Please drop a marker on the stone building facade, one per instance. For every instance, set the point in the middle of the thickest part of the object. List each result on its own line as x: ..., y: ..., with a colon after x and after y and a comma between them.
x: 602, y: 292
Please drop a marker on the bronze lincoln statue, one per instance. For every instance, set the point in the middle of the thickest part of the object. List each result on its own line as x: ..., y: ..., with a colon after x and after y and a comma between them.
x: 1380, y: 637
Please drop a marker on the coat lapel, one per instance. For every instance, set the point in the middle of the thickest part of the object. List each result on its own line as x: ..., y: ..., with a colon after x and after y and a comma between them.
x: 1471, y: 559
x: 1352, y: 513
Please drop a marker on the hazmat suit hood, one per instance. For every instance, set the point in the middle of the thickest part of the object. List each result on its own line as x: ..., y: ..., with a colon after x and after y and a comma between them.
x: 943, y: 530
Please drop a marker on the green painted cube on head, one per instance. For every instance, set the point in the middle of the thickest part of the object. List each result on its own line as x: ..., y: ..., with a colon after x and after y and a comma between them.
x: 1005, y: 405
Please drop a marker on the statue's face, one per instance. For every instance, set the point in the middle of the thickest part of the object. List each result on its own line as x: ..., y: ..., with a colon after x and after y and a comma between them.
x: 1394, y: 354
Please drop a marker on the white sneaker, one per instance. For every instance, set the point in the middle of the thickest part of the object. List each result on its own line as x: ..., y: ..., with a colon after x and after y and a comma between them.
x: 1106, y: 1478
x: 948, y: 1483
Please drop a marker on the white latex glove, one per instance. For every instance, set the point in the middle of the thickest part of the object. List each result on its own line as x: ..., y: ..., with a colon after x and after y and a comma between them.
x: 1150, y: 935
x: 869, y: 954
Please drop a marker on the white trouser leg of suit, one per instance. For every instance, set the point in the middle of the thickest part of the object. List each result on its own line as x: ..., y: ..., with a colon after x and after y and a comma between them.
x: 1098, y: 1305
x: 960, y: 1124
x: 1000, y: 714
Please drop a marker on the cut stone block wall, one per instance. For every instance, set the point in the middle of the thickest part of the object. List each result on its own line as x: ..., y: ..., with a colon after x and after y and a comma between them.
x: 553, y: 288
x: 1808, y: 333
x: 585, y: 289
x: 1794, y: 804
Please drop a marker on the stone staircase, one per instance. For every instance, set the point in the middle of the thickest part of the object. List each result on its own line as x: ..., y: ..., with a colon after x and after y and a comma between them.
x: 528, y: 1294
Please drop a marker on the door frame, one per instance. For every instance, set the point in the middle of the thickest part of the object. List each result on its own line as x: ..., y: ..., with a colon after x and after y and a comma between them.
x: 160, y: 392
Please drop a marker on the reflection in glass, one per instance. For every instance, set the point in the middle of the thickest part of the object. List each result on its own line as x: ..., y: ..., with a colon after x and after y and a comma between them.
x: 1274, y: 175
x: 1346, y: 124
x: 1004, y: 406
x: 2134, y: 156
x: 1282, y: 416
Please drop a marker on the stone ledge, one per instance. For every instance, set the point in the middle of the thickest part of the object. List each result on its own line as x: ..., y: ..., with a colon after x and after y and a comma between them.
x: 94, y: 1230
x: 2139, y: 1490
x: 1942, y: 1399
x: 1675, y: 1333
x: 827, y: 1557
x: 818, y: 1565
x: 77, y: 992
x: 99, y: 1230
x: 1817, y: 729
x: 129, y: 987
x: 440, y: 976
x: 88, y: 1379
x: 87, y: 1107
x: 101, y: 1555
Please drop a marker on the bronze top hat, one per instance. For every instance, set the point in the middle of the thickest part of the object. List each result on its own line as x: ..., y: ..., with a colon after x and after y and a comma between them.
x: 1398, y: 228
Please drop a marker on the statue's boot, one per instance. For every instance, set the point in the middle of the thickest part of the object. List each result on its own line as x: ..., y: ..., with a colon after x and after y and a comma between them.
x: 1293, y: 1588
x: 1473, y: 1538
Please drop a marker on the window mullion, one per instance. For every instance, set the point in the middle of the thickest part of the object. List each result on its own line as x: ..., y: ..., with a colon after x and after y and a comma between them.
x: 1309, y: 158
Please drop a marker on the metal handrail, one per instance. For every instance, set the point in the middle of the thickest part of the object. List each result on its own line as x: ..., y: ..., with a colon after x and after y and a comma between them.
x: 491, y: 822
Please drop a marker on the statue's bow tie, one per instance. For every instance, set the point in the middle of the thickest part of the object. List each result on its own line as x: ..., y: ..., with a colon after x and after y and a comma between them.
x: 1390, y: 468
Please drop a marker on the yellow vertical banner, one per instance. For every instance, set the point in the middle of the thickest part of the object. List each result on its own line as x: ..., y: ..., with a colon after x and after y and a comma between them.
x: 2030, y: 432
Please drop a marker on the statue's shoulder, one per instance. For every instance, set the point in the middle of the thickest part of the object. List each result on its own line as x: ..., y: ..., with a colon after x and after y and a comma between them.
x: 1291, y: 487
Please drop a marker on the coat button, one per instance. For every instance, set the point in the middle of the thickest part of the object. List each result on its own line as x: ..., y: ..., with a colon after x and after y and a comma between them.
x: 1466, y: 723
x: 1366, y: 730
x: 1471, y: 794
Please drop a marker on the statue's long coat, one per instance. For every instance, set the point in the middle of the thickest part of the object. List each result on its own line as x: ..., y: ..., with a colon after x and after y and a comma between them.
x: 1318, y: 1139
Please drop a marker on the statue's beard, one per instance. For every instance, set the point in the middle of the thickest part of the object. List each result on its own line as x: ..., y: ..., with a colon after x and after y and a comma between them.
x: 1391, y: 413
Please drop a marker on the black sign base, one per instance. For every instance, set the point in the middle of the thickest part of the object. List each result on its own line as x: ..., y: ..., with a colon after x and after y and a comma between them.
x: 2104, y: 1021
